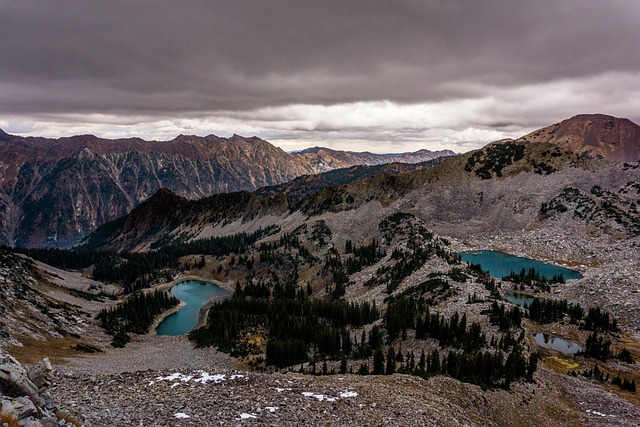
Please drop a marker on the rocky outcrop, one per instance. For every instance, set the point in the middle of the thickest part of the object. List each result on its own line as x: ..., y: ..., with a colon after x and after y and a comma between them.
x: 24, y: 399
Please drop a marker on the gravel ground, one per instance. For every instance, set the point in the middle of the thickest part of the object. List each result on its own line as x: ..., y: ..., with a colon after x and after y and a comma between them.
x: 150, y: 352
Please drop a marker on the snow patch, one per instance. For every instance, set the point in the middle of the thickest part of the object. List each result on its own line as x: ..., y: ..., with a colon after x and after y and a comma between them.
x: 323, y: 397
x: 591, y: 411
x: 346, y: 394
x: 271, y: 408
x: 203, y: 378
x: 245, y: 416
x: 181, y: 415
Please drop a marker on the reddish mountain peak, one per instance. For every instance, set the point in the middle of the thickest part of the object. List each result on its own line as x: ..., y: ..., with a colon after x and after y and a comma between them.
x: 597, y: 134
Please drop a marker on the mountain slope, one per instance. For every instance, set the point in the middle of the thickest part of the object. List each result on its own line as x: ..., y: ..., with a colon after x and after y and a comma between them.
x: 502, y: 187
x: 53, y: 192
x: 597, y: 134
x: 325, y: 159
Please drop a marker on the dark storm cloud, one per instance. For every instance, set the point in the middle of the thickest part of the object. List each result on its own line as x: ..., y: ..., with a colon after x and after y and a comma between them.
x: 498, y: 66
x: 201, y: 56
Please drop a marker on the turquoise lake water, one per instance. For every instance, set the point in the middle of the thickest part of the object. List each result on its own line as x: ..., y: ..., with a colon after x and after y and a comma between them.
x: 195, y: 293
x: 519, y: 299
x: 500, y: 264
x: 557, y: 343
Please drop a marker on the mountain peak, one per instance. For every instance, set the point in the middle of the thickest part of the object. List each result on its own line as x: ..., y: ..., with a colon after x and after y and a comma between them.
x: 612, y: 138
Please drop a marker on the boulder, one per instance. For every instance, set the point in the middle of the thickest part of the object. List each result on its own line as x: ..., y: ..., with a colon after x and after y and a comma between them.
x: 23, y: 407
x: 15, y: 382
x: 39, y: 373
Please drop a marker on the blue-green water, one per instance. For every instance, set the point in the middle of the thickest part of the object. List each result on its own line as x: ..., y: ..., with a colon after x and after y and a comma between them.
x: 500, y: 264
x: 195, y: 293
x: 557, y: 343
x: 519, y: 299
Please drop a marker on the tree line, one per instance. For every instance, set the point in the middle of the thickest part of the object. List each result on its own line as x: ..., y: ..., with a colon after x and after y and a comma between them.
x: 135, y: 314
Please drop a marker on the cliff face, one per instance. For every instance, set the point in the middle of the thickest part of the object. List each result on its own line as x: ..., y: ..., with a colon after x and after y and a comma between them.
x: 596, y: 134
x: 53, y: 192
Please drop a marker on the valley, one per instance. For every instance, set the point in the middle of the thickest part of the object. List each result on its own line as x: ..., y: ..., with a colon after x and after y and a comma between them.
x: 349, y: 302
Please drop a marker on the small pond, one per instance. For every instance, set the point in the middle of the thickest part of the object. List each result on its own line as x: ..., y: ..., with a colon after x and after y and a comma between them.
x: 500, y: 264
x: 195, y: 293
x: 519, y: 299
x: 556, y: 343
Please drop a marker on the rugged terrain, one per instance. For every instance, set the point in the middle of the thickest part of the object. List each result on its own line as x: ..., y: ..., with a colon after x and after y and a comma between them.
x: 307, y: 261
x: 53, y: 192
x: 595, y: 134
x: 505, y: 187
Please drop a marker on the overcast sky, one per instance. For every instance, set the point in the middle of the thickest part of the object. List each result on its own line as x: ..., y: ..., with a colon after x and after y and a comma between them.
x: 383, y: 76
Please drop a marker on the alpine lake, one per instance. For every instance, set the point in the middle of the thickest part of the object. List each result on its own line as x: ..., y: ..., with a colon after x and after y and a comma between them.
x: 501, y: 264
x: 195, y: 293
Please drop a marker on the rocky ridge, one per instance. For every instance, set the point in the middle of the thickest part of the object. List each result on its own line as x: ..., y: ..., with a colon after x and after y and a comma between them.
x: 507, y: 186
x: 596, y: 134
x: 53, y: 192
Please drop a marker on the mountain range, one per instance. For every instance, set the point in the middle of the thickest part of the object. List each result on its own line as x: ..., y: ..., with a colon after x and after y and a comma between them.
x: 502, y: 187
x: 345, y: 272
x: 53, y: 192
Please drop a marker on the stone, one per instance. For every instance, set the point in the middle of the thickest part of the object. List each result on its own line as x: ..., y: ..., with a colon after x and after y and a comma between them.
x: 15, y: 381
x: 39, y: 373
x: 23, y: 407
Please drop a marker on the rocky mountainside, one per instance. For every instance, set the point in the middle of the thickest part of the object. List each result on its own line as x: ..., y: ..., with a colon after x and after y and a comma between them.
x: 325, y: 159
x: 506, y: 186
x: 39, y: 304
x: 53, y: 192
x: 371, y: 241
x: 597, y: 134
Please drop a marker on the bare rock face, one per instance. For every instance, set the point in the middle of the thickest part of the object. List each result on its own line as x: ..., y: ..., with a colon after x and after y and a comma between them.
x: 53, y: 192
x: 15, y: 382
x: 596, y: 134
x: 24, y: 396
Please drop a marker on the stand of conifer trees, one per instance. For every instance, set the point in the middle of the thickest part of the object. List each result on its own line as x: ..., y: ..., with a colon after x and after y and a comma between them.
x: 135, y: 314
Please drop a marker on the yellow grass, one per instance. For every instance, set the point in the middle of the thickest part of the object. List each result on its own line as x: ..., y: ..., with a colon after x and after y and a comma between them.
x: 560, y: 365
x: 9, y: 419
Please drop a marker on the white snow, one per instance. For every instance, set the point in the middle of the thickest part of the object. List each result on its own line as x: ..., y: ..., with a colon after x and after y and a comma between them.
x: 271, y: 408
x: 181, y: 415
x: 245, y: 416
x: 591, y: 411
x: 322, y: 397
x: 171, y: 377
x: 203, y: 378
x: 346, y: 394
x: 280, y: 390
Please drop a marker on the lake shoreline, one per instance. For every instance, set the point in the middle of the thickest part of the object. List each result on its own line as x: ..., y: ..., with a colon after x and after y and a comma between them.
x: 222, y: 292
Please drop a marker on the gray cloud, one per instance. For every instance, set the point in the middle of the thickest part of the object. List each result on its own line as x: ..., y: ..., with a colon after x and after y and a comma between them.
x: 222, y: 62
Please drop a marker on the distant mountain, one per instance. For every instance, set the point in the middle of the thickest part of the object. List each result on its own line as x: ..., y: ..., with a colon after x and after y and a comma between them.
x: 53, y: 192
x: 507, y: 186
x: 325, y: 159
x: 306, y: 185
x: 596, y: 134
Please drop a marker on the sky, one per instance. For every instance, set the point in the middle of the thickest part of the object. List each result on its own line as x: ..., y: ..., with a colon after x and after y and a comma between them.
x: 369, y: 75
